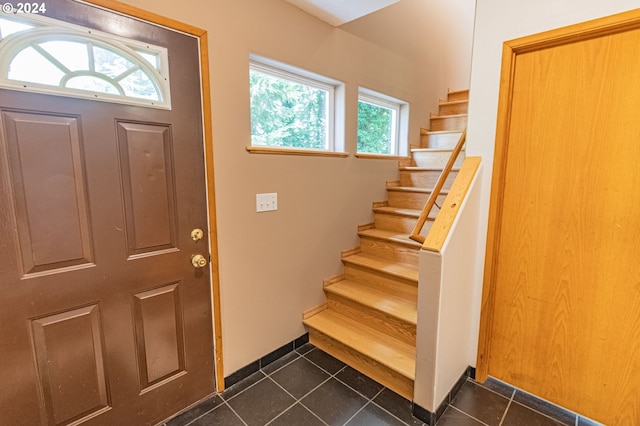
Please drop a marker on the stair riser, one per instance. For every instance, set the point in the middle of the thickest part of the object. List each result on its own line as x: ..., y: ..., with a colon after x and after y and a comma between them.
x: 424, y: 179
x: 400, y: 224
x: 456, y: 108
x: 458, y: 95
x: 436, y: 159
x: 440, y: 140
x: 380, y: 373
x: 405, y: 161
x: 411, y: 200
x: 393, y: 327
x: 448, y: 123
x: 389, y: 250
x: 404, y: 288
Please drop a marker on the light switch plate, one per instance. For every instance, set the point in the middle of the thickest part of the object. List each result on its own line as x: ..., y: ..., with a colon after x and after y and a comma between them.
x: 266, y: 202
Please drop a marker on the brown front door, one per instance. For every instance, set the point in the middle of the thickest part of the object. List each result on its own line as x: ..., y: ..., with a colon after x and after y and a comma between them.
x: 103, y: 317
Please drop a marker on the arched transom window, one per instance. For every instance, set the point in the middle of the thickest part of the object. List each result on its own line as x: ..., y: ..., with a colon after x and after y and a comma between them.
x: 44, y: 55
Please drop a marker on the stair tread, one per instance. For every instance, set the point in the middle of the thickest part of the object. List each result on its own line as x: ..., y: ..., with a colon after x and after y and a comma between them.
x: 390, y: 352
x: 394, y: 236
x: 457, y: 102
x: 380, y: 300
x: 391, y: 267
x: 399, y: 211
x: 457, y: 91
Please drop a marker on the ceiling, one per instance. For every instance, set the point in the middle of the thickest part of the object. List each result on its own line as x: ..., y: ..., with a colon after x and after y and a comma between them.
x: 338, y: 12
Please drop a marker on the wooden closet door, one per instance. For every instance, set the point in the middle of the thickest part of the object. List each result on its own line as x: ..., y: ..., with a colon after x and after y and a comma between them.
x: 561, y: 316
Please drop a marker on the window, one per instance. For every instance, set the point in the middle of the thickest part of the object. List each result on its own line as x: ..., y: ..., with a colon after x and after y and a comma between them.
x: 382, y: 122
x: 45, y: 55
x: 291, y: 108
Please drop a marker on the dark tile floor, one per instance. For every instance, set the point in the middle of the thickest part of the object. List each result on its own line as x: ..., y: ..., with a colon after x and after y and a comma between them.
x: 308, y: 387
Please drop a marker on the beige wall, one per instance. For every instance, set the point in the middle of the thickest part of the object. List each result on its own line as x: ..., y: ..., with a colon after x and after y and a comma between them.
x: 436, y: 34
x: 272, y: 264
x: 496, y: 22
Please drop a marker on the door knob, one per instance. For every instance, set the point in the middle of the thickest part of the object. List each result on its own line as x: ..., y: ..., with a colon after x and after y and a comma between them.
x: 198, y: 261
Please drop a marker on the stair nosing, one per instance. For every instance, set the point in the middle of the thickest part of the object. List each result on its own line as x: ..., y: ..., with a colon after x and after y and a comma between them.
x: 424, y: 131
x: 432, y: 150
x: 449, y: 92
x: 425, y: 169
x: 393, y: 237
x: 448, y: 116
x: 415, y: 189
x: 397, y: 211
x: 459, y: 101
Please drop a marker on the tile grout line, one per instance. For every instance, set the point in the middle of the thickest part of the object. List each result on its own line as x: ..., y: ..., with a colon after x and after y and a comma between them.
x: 356, y: 413
x: 489, y: 389
x: 246, y: 389
x: 546, y: 415
x: 467, y: 414
x: 515, y: 390
x: 504, y: 415
x: 320, y: 367
x: 205, y: 413
x: 283, y: 366
x: 335, y: 376
x: 297, y: 400
x: 384, y: 409
x: 234, y: 412
x: 312, y: 412
x: 369, y: 400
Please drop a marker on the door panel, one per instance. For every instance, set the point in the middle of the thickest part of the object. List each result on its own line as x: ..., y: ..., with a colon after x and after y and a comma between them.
x: 159, y: 334
x: 148, y: 184
x: 104, y: 318
x: 70, y: 360
x: 563, y: 267
x: 50, y: 197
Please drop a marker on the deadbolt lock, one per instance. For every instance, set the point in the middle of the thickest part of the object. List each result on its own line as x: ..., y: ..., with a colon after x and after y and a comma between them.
x: 198, y: 261
x: 197, y: 234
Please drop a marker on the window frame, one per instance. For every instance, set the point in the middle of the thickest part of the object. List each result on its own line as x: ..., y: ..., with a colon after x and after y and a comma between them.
x: 334, y: 145
x: 399, y: 134
x: 130, y: 49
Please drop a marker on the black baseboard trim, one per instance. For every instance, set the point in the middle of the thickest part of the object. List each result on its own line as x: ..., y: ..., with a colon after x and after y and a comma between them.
x: 431, y: 418
x: 256, y: 365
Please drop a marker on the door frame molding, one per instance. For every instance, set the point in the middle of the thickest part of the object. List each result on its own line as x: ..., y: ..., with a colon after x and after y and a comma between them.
x: 202, y: 37
x: 510, y: 51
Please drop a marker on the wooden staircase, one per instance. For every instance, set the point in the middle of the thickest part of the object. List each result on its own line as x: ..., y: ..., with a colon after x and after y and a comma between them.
x: 369, y: 319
